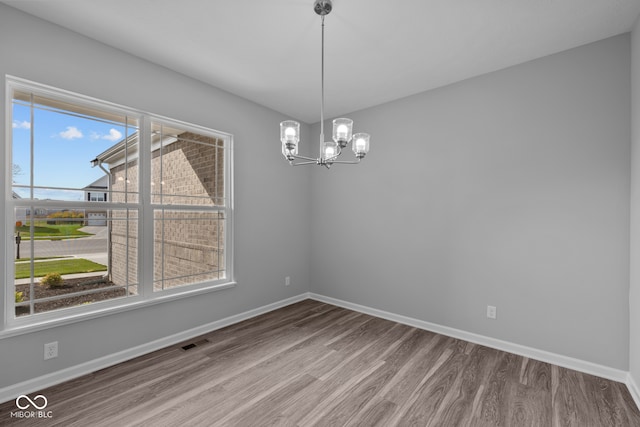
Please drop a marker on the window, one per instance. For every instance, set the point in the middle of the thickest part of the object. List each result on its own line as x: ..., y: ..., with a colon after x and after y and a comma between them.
x: 188, y: 195
x: 110, y: 205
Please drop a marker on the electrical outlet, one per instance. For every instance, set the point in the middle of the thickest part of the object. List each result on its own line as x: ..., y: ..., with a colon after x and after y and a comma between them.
x: 491, y: 312
x: 51, y: 350
x: 287, y: 280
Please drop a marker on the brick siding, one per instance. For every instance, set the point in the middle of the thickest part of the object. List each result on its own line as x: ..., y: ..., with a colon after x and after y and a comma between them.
x: 190, y: 172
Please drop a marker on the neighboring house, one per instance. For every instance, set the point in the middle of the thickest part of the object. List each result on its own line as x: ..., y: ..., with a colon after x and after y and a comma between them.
x: 21, y: 213
x: 186, y: 170
x: 97, y: 191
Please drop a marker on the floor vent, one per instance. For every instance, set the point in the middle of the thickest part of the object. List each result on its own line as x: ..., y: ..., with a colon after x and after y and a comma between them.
x: 195, y: 344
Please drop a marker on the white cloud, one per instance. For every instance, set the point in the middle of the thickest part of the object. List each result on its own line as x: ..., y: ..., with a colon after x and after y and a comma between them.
x: 114, y: 135
x: 21, y: 125
x: 72, y: 132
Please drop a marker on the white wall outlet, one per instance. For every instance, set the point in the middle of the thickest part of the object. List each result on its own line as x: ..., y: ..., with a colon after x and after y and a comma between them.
x: 51, y: 350
x: 491, y: 312
x: 287, y: 280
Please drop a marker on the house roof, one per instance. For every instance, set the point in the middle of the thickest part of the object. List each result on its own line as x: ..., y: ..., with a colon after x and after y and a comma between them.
x: 128, y: 147
x: 101, y: 183
x: 115, y: 154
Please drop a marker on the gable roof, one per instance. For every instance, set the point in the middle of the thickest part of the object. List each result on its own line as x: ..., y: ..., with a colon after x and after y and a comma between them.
x: 101, y: 183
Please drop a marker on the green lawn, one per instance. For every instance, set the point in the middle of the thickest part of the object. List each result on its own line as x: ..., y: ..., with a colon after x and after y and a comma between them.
x: 62, y: 266
x: 44, y: 231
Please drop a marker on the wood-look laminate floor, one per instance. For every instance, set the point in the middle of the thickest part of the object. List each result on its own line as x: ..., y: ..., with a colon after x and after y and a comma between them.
x: 314, y: 364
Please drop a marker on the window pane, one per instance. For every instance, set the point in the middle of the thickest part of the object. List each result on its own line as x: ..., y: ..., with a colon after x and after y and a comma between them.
x: 187, y: 168
x: 189, y: 247
x: 69, y: 147
x: 21, y: 152
x: 62, y: 262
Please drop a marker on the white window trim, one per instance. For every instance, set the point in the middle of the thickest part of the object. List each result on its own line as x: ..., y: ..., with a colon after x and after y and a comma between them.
x: 11, y: 325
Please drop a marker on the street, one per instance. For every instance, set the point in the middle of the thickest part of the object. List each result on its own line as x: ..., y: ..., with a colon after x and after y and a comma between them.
x: 93, y: 247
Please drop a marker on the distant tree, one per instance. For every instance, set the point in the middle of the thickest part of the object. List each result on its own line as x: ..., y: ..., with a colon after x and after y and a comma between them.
x: 16, y: 170
x: 64, y: 217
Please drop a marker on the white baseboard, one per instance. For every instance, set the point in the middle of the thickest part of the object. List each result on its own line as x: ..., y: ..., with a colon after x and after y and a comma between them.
x: 633, y: 389
x: 13, y: 391
x: 532, y: 353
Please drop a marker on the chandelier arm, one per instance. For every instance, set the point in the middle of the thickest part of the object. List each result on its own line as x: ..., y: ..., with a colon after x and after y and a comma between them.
x: 313, y: 162
x: 347, y: 162
x: 298, y: 157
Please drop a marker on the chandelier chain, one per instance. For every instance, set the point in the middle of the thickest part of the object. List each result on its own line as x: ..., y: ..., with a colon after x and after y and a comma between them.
x: 322, y: 88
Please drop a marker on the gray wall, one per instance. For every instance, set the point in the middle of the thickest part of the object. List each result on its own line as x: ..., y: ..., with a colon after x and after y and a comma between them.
x: 510, y: 189
x: 35, y: 50
x: 634, y: 293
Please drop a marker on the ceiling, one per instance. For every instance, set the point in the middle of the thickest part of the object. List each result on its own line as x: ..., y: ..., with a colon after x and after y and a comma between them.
x: 376, y: 51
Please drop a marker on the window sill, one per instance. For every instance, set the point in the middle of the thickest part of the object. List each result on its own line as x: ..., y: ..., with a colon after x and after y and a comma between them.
x: 27, y: 328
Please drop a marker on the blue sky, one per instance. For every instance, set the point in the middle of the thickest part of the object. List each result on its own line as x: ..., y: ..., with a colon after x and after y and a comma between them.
x: 64, y: 146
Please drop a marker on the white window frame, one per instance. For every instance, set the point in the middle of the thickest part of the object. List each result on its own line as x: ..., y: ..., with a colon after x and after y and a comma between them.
x: 15, y: 326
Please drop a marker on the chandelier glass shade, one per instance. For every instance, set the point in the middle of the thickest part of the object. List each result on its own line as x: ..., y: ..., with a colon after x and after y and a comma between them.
x: 342, y: 133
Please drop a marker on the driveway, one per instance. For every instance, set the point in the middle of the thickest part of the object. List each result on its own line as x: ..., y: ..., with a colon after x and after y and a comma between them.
x: 98, y: 231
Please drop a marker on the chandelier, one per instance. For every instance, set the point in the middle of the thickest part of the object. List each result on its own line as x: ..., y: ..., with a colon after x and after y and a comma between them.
x: 342, y: 128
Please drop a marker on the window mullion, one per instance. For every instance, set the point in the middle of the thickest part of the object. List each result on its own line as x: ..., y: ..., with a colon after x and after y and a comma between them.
x: 145, y: 224
x: 228, y: 244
